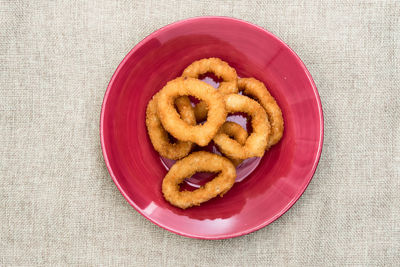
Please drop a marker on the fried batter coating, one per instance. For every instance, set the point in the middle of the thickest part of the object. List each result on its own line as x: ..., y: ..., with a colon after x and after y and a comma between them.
x: 159, y: 136
x: 221, y: 69
x: 181, y: 130
x: 256, y: 89
x: 198, y: 162
x: 236, y: 132
x: 257, y: 142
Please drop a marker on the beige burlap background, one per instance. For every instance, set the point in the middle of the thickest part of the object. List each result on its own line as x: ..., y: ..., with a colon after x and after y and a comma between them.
x: 58, y: 205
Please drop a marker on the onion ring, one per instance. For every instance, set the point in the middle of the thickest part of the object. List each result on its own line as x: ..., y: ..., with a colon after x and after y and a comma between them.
x: 198, y: 162
x: 236, y: 132
x: 257, y: 142
x: 221, y: 69
x: 255, y: 88
x: 181, y: 130
x: 159, y: 136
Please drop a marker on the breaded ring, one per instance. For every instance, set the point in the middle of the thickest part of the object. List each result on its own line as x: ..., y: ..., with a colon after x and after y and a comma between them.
x: 236, y: 132
x: 159, y: 137
x: 221, y: 69
x: 257, y: 141
x: 256, y: 89
x: 198, y: 162
x: 181, y: 130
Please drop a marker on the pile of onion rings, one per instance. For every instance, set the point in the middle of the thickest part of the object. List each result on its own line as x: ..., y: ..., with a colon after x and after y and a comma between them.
x: 173, y: 128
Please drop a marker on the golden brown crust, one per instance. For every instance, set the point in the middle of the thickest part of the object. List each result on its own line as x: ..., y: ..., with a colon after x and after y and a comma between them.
x: 181, y: 130
x: 198, y: 162
x: 255, y: 88
x: 170, y: 113
x: 200, y: 111
x: 159, y: 136
x: 256, y: 143
x: 235, y: 131
x: 218, y: 67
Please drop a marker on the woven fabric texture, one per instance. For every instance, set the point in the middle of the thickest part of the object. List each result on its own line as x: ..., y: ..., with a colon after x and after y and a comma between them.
x: 58, y: 204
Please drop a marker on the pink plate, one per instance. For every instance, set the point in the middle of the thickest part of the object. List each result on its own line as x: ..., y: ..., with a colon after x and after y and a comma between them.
x: 267, y: 188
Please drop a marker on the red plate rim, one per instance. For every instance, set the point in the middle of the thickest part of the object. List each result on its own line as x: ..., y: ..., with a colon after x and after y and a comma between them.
x: 223, y: 236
